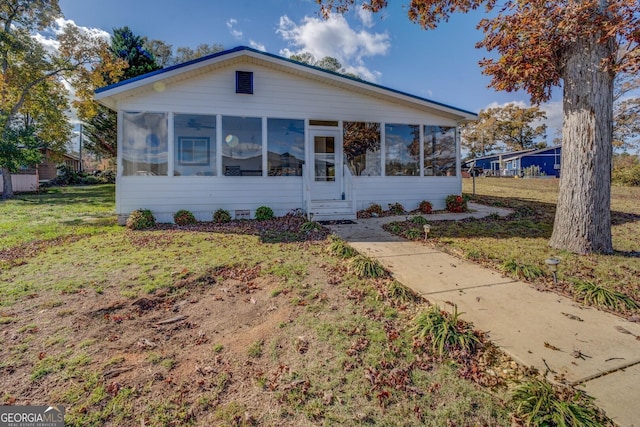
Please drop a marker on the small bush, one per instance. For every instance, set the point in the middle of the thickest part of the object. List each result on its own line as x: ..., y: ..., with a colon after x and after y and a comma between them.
x: 425, y: 207
x: 594, y: 294
x: 364, y: 266
x: 538, y: 404
x: 184, y: 217
x: 396, y: 208
x: 526, y: 271
x: 420, y: 220
x: 340, y: 248
x: 413, y: 234
x: 374, y: 208
x: 221, y: 215
x: 456, y: 203
x: 264, y: 213
x: 309, y: 226
x: 141, y: 219
x: 445, y: 331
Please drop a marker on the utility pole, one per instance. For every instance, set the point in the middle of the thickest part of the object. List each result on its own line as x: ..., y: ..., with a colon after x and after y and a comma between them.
x: 80, y: 149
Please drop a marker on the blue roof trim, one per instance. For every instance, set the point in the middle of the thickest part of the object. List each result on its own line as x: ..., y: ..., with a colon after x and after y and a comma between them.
x: 271, y: 55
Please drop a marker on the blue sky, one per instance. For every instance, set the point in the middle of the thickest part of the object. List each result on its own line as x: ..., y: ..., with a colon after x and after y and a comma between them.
x: 386, y: 48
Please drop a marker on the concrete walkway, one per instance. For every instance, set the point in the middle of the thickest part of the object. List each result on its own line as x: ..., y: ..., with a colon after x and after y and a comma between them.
x: 590, y: 349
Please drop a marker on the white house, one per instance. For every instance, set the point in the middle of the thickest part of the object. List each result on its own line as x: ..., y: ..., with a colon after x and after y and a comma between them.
x: 242, y: 128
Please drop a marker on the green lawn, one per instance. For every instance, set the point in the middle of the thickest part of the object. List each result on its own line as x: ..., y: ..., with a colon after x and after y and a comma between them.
x: 518, y: 245
x: 206, y: 326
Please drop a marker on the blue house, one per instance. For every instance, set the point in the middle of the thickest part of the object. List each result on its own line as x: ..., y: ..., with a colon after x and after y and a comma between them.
x: 543, y: 162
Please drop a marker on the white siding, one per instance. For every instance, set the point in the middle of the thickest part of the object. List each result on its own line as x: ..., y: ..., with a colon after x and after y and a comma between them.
x: 276, y: 95
x: 204, y: 195
x: 408, y: 191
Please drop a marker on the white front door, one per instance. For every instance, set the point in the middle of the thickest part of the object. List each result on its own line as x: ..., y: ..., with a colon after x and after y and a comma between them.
x: 327, y: 165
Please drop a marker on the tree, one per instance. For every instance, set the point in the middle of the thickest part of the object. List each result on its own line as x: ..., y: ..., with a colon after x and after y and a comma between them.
x: 165, y: 57
x: 626, y: 112
x: 101, y: 125
x: 328, y: 63
x: 29, y: 73
x: 515, y: 126
x: 542, y: 44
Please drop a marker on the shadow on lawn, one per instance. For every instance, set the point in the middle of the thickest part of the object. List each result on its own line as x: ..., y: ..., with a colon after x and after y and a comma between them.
x: 530, y: 219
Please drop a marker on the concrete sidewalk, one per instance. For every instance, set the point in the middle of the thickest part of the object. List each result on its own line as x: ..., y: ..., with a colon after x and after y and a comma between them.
x: 598, y: 352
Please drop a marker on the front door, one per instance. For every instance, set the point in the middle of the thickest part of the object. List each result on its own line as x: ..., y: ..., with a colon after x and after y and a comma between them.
x: 327, y: 165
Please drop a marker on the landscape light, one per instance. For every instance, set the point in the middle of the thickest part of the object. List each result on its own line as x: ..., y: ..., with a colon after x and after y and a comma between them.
x: 552, y: 264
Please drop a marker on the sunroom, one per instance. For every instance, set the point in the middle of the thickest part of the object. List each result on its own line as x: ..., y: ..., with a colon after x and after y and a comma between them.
x: 302, y: 139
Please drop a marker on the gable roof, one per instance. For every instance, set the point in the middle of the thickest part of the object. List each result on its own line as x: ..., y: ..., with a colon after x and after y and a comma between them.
x: 511, y: 155
x: 109, y: 95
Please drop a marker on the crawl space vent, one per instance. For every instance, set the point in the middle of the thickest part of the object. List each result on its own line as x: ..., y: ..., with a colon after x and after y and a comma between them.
x: 244, y: 82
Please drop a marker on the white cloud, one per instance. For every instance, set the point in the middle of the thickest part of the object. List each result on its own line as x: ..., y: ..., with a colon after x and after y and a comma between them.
x: 365, y: 16
x: 334, y: 37
x: 231, y: 23
x: 256, y: 45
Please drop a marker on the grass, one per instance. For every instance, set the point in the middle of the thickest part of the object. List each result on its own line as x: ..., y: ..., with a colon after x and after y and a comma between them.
x: 538, y: 404
x: 343, y: 354
x: 446, y: 331
x: 363, y: 266
x: 518, y: 244
x: 57, y: 213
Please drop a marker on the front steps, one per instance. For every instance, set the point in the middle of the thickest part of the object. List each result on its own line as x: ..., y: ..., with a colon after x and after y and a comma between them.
x: 332, y: 210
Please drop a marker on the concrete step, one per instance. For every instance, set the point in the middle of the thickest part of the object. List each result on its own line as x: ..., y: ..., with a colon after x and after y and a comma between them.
x: 331, y: 210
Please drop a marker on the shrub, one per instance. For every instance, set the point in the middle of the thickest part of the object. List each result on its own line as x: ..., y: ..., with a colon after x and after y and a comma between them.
x: 263, y: 213
x: 374, y: 208
x: 594, y: 294
x: 425, y: 207
x: 456, y: 203
x: 413, y: 234
x: 310, y: 226
x: 340, y: 248
x: 396, y: 208
x: 184, y: 217
x: 445, y: 331
x: 364, y: 266
x: 141, y: 219
x: 221, y: 215
x: 539, y: 405
x: 419, y: 220
x: 519, y: 270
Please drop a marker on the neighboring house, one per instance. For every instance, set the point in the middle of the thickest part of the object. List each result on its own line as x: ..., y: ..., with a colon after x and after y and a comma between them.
x: 543, y: 162
x: 242, y: 128
x: 27, y: 179
x: 48, y: 168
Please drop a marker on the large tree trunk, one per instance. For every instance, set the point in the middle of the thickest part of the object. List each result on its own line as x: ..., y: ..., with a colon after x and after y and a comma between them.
x: 7, y: 185
x: 583, y: 216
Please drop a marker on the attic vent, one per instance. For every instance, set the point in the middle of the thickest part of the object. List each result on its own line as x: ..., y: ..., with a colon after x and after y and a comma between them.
x: 244, y: 82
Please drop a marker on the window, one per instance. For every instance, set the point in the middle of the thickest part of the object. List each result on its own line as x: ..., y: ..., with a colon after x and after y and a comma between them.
x: 244, y: 82
x: 361, y: 142
x: 285, y: 145
x: 144, y: 144
x: 242, y: 146
x: 439, y: 151
x: 194, y: 145
x: 402, y: 150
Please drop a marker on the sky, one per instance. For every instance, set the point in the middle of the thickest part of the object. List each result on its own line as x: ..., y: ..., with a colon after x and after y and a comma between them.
x: 385, y: 48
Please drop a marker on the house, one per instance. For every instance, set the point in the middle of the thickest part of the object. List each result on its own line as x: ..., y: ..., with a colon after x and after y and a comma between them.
x: 531, y: 162
x: 243, y: 128
x: 48, y: 168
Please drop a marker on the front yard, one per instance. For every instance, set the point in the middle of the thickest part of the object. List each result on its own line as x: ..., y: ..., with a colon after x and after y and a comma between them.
x: 197, y: 327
